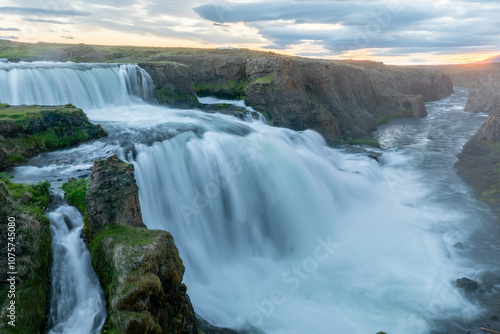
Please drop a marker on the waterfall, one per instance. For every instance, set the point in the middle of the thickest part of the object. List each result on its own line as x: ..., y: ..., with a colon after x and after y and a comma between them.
x: 279, y: 233
x: 77, y: 303
x: 84, y: 85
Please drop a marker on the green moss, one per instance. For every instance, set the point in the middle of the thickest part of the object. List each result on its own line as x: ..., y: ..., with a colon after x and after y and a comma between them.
x: 265, y: 80
x: 37, y: 129
x: 223, y: 105
x: 75, y: 192
x: 230, y: 89
x: 361, y: 141
x: 27, y: 203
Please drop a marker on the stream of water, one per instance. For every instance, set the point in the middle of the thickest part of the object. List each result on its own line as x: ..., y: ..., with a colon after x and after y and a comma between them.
x: 280, y: 233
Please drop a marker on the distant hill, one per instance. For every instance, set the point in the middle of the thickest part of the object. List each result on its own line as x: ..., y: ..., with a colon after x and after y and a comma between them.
x: 495, y: 59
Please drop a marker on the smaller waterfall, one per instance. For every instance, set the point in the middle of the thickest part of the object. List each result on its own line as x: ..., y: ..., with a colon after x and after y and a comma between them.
x: 84, y: 85
x: 77, y: 303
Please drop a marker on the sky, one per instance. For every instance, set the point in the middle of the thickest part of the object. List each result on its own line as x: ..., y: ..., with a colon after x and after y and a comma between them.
x: 392, y: 31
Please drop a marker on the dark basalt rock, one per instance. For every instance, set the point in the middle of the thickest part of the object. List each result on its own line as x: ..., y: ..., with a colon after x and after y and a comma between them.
x: 140, y: 270
x: 466, y: 284
x: 113, y: 196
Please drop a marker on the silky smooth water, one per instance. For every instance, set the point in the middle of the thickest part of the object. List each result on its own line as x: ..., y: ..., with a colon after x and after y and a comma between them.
x: 77, y: 304
x: 281, y: 234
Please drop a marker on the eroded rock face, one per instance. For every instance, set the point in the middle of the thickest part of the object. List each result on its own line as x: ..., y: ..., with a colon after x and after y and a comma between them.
x: 485, y: 96
x: 113, y: 196
x: 173, y: 84
x: 140, y: 269
x: 339, y: 99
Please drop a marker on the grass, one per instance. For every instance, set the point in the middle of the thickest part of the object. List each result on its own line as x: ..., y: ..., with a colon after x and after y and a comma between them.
x: 113, y: 54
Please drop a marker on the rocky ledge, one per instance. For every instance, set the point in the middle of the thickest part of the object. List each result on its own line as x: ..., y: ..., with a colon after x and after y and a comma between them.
x: 140, y: 269
x: 26, y: 131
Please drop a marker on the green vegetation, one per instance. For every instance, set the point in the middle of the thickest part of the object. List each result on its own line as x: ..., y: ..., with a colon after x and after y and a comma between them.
x: 27, y: 204
x: 361, y: 141
x: 127, y: 277
x: 230, y: 89
x: 34, y: 129
x: 75, y: 193
x: 265, y: 80
x: 112, y: 54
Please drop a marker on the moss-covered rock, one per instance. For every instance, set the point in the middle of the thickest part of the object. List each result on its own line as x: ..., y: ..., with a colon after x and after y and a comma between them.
x: 29, y: 130
x: 112, y: 195
x: 139, y: 269
x: 141, y: 273
x: 173, y: 84
x: 26, y: 204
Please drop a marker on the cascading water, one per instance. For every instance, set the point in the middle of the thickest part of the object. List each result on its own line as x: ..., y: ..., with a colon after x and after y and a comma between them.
x: 77, y: 302
x: 84, y: 85
x: 282, y: 234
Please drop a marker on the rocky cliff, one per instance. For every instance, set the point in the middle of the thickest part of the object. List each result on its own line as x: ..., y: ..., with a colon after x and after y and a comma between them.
x: 24, y: 238
x: 483, y: 78
x: 140, y: 269
x: 28, y: 130
x: 341, y: 100
x: 479, y: 162
x: 173, y: 84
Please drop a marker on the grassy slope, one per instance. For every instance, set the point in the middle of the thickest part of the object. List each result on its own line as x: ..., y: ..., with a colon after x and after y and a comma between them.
x: 45, y: 51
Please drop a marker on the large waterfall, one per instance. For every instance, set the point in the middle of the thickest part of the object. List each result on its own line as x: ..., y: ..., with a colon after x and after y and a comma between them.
x: 84, y: 85
x: 280, y: 233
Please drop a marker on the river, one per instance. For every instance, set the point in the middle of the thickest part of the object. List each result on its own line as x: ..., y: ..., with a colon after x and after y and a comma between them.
x: 280, y: 233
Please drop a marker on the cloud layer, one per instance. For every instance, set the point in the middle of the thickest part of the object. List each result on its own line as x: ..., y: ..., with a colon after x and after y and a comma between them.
x: 335, y: 28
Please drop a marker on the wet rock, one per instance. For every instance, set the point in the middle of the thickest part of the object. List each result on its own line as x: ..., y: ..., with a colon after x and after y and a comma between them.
x: 466, y: 284
x: 113, y: 196
x: 140, y: 269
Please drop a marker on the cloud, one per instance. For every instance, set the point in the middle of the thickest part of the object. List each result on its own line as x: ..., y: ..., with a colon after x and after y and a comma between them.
x: 41, y: 11
x: 67, y: 37
x: 8, y: 37
x: 44, y: 21
x: 9, y: 29
x: 340, y: 26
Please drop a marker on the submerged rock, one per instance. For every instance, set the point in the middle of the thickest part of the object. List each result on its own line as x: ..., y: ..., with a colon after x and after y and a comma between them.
x: 466, y: 284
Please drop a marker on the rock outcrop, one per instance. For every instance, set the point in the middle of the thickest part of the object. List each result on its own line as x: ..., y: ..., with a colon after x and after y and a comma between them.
x: 341, y: 100
x: 28, y: 130
x: 112, y: 195
x: 173, y: 84
x: 483, y: 78
x: 479, y: 161
x: 140, y: 269
x: 25, y: 239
